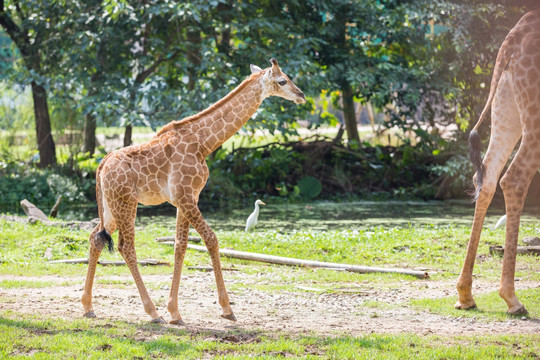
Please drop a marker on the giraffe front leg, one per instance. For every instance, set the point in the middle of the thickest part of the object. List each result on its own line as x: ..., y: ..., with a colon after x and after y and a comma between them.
x: 506, y: 289
x: 196, y: 219
x: 180, y: 246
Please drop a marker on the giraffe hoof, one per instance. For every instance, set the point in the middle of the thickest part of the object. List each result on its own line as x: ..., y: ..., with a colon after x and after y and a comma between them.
x: 90, y: 314
x: 177, y: 322
x: 229, y: 317
x: 520, y: 311
x: 158, y: 320
x: 462, y: 306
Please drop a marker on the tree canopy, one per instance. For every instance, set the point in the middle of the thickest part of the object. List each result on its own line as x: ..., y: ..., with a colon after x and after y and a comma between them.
x: 119, y: 63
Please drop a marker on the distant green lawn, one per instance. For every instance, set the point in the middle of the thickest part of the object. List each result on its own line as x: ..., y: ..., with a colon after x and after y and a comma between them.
x: 439, y: 250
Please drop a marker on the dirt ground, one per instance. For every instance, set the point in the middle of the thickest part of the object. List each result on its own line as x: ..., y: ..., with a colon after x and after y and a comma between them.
x: 305, y: 310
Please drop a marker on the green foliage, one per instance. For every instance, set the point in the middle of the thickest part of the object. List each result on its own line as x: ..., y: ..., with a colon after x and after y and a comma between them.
x: 279, y: 170
x: 309, y: 187
x: 457, y: 170
x: 156, y: 63
x: 42, y: 187
x: 251, y: 171
x: 15, y: 119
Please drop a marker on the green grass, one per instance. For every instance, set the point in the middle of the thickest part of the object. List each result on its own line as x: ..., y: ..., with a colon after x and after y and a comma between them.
x: 47, y: 338
x: 14, y: 284
x: 440, y: 249
x: 489, y: 305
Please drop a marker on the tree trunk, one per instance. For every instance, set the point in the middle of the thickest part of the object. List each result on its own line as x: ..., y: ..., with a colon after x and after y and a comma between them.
x: 193, y: 55
x: 340, y: 133
x: 349, y: 115
x: 127, y: 135
x: 225, y: 11
x: 90, y: 125
x: 89, y: 145
x: 45, y: 142
x: 31, y: 58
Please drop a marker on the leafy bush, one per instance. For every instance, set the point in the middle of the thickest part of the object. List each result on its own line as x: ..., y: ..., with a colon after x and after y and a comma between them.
x: 307, y: 170
x: 42, y: 187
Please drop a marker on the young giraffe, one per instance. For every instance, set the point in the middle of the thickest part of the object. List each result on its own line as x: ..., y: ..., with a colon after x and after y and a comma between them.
x: 172, y: 167
x: 515, y: 113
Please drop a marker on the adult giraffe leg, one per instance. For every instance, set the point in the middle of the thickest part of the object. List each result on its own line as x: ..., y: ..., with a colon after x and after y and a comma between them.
x: 126, y: 246
x: 515, y: 184
x: 505, y: 132
x: 180, y: 246
x: 193, y: 214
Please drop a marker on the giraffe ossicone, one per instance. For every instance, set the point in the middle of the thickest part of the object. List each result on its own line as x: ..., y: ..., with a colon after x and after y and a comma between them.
x: 514, y: 99
x: 171, y: 167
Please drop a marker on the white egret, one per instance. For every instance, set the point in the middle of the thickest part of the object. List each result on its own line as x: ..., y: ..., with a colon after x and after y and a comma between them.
x: 252, y: 219
x: 501, y: 222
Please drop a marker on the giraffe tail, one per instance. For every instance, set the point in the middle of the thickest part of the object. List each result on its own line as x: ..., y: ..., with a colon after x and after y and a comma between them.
x: 105, y: 238
x: 102, y: 237
x: 475, y: 154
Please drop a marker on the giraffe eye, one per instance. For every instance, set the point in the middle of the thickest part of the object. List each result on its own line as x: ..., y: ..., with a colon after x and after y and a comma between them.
x: 282, y: 82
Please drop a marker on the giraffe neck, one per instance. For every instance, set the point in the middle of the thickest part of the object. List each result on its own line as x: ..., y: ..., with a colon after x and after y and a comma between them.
x: 235, y: 110
x: 222, y: 120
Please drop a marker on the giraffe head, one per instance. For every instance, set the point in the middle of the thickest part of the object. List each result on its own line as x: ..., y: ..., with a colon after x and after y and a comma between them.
x: 277, y: 83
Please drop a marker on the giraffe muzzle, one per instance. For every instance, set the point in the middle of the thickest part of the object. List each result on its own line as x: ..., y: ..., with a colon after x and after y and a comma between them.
x: 300, y: 98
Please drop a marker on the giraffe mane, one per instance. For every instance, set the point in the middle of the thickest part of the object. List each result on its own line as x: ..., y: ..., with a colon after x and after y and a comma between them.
x: 193, y: 118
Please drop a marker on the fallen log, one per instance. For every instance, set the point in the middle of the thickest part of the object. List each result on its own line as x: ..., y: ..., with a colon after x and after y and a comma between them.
x: 144, y: 262
x: 69, y: 261
x: 209, y: 268
x: 167, y: 239
x: 308, y: 263
x: 521, y: 250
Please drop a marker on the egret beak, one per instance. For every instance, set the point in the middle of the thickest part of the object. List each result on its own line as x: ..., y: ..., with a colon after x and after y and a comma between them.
x: 263, y: 203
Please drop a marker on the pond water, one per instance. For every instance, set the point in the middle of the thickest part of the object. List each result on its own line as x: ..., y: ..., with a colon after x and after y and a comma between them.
x: 324, y: 215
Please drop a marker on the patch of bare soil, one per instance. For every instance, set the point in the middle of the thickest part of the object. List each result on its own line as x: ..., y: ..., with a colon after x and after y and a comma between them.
x: 358, y: 310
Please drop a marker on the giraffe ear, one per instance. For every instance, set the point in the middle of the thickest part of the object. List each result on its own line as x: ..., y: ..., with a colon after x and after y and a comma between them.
x: 275, y: 67
x: 255, y: 69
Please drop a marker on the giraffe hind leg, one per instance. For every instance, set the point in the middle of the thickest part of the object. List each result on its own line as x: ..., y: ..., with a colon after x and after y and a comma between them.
x: 505, y: 133
x: 125, y: 212
x: 96, y: 246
